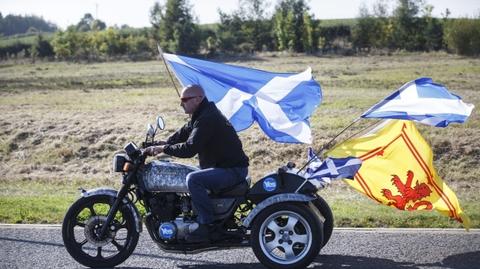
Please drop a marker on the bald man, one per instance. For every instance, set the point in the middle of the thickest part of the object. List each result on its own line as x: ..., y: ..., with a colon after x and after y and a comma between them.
x: 222, y: 160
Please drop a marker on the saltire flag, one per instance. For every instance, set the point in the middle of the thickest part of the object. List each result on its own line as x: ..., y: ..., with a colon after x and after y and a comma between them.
x: 281, y: 103
x: 424, y: 101
x: 397, y: 170
x: 321, y: 173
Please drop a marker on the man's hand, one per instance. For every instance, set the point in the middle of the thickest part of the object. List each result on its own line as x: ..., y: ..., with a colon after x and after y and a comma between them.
x: 154, y: 150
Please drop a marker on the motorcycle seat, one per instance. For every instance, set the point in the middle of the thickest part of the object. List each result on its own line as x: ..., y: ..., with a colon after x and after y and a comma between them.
x: 239, y: 189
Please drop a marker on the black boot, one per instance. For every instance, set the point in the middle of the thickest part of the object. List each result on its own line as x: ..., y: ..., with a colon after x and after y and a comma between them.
x: 200, y: 235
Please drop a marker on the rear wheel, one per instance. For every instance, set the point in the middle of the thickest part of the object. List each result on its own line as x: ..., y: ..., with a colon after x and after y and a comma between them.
x: 81, y: 227
x: 287, y: 235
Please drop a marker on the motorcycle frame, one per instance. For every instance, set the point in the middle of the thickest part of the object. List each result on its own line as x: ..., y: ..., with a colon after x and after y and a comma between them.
x: 256, y: 195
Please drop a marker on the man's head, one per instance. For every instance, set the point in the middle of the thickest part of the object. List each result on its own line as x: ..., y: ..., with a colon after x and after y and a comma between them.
x: 191, y: 97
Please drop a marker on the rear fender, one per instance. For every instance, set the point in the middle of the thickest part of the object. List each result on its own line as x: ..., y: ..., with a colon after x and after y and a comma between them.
x: 126, y: 201
x: 279, y: 198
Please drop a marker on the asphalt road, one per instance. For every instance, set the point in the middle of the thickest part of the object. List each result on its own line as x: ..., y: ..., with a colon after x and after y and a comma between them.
x: 36, y: 246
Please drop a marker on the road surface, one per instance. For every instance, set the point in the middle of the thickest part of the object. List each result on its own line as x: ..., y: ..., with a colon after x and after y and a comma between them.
x: 41, y: 246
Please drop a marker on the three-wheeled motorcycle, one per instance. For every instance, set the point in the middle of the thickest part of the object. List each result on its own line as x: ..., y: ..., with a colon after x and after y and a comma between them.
x: 281, y: 217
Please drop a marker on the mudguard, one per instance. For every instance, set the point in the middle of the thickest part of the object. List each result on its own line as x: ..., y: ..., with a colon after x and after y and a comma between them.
x: 279, y: 198
x: 126, y: 201
x: 279, y: 183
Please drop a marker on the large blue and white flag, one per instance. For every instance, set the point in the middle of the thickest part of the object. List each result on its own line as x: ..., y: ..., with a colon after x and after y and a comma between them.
x: 424, y: 101
x: 281, y: 103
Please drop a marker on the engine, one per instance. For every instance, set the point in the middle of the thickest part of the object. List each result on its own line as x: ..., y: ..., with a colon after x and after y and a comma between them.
x: 176, y: 230
x: 165, y: 206
x: 172, y: 215
x: 168, y: 199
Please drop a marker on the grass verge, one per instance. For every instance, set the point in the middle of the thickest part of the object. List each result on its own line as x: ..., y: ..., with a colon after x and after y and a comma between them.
x: 46, y: 202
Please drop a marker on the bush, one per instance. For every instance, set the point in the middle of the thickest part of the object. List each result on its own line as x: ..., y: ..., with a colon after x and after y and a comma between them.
x: 463, y: 36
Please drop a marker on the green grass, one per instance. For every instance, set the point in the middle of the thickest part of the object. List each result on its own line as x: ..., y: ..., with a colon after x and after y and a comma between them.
x: 62, y: 122
x: 354, y: 210
x: 26, y: 201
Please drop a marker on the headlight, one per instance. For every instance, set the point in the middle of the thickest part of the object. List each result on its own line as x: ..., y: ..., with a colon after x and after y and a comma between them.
x: 120, y: 161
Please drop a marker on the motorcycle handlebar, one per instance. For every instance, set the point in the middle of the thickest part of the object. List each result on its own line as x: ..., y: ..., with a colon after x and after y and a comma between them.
x: 154, y: 143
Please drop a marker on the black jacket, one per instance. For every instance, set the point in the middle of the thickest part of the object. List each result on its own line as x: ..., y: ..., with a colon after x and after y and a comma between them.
x: 210, y: 135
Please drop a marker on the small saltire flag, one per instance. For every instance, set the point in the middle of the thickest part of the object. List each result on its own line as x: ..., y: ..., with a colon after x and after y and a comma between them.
x: 281, y: 103
x: 397, y: 170
x: 424, y: 101
x: 333, y: 168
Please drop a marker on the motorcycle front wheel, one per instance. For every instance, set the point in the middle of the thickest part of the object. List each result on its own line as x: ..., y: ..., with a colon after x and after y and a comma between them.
x: 81, y: 227
x: 287, y: 235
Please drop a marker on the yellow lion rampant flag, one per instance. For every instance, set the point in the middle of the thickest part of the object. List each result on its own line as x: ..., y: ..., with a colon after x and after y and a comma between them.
x: 397, y: 170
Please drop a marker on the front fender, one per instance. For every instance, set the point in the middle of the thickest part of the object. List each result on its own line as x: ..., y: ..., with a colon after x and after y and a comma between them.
x: 279, y: 198
x: 126, y: 201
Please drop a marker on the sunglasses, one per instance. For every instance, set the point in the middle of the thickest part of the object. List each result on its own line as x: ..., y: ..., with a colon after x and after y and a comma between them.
x: 185, y: 99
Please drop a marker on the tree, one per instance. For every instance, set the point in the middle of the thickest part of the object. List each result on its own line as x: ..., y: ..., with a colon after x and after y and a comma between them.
x: 407, y: 32
x: 156, y: 17
x: 85, y: 23
x: 175, y: 28
x: 246, y: 29
x: 433, y: 30
x: 335, y: 36
x: 66, y: 43
x: 463, y: 36
x: 98, y: 25
x: 289, y: 25
x: 42, y: 48
x: 308, y: 36
x: 15, y: 24
x: 89, y: 23
x: 363, y: 31
x: 372, y: 30
x: 256, y: 27
x: 230, y: 34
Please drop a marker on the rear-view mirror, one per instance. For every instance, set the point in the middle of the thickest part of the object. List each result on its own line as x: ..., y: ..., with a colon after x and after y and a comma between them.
x: 160, y: 123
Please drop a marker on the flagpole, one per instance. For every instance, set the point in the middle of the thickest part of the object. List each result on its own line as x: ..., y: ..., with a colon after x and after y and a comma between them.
x: 168, y: 70
x: 341, y: 132
x: 327, y: 144
x: 369, y: 126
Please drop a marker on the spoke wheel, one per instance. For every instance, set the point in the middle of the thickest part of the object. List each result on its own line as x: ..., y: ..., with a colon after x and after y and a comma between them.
x: 81, y: 232
x: 287, y: 235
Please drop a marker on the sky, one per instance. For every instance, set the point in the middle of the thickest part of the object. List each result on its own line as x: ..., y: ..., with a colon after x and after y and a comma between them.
x: 135, y: 13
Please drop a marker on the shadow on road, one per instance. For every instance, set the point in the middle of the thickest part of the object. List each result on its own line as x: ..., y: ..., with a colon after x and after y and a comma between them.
x: 31, y: 242
x: 459, y: 261
x: 467, y: 260
x: 154, y: 256
x: 359, y: 262
x: 323, y: 261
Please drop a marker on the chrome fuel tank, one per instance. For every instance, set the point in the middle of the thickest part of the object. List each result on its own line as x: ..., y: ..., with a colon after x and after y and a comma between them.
x: 162, y: 176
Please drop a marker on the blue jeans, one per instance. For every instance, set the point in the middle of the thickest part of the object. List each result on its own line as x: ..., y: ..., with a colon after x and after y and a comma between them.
x: 213, y: 179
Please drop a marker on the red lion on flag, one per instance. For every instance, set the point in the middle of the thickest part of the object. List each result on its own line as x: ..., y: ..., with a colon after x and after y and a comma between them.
x: 407, y: 193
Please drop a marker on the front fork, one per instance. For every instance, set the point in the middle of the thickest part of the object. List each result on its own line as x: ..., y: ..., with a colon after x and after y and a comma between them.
x: 116, y: 204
